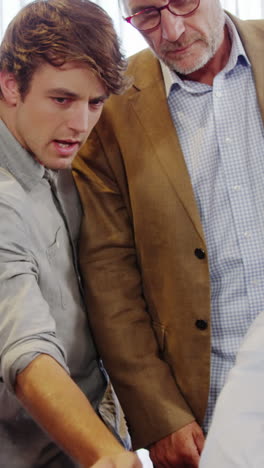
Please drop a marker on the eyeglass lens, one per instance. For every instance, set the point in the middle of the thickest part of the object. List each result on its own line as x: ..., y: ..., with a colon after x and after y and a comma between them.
x: 150, y: 17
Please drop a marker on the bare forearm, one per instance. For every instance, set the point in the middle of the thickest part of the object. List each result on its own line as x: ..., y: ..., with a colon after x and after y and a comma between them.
x: 58, y: 405
x: 123, y: 460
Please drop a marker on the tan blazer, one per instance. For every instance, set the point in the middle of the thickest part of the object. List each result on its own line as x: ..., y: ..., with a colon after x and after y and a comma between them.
x: 143, y: 253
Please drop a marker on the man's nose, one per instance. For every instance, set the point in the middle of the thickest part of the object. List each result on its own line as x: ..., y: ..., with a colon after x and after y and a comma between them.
x: 79, y: 119
x: 172, y: 27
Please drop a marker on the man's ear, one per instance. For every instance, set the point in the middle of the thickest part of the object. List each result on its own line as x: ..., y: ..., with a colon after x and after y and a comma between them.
x: 9, y: 88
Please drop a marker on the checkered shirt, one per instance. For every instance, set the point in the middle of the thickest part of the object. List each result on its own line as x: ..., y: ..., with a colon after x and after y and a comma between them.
x: 222, y: 137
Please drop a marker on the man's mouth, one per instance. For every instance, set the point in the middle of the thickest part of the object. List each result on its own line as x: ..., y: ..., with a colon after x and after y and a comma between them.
x: 180, y: 46
x: 177, y: 48
x: 64, y: 144
x: 67, y: 143
x: 66, y: 147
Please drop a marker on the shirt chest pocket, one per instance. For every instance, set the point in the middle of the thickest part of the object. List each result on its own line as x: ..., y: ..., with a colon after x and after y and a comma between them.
x: 55, y: 271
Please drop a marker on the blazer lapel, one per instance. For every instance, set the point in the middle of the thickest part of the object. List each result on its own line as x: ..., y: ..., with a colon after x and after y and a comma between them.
x: 152, y: 111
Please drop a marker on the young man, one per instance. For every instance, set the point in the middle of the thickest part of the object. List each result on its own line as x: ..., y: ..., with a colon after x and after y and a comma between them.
x: 173, y: 258
x: 59, y: 61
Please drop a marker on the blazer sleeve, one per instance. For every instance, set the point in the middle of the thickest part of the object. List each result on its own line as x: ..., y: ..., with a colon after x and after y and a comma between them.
x: 118, y: 312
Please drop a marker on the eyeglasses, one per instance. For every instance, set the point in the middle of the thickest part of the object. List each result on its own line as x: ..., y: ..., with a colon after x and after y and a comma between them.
x: 149, y: 19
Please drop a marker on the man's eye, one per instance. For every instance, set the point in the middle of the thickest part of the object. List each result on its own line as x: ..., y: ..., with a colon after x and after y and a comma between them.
x: 61, y: 100
x: 150, y: 12
x: 96, y: 103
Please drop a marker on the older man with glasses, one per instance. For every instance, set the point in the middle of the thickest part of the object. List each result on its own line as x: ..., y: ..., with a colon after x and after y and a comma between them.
x: 173, y: 257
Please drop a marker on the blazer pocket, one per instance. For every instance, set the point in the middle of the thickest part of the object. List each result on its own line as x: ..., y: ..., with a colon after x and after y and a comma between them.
x: 160, y: 333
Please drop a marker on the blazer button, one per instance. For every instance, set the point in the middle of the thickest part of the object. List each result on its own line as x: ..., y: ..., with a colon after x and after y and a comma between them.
x: 199, y: 253
x: 201, y: 324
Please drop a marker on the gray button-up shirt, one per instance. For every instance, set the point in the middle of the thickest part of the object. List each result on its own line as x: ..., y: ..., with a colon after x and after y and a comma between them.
x: 41, y: 307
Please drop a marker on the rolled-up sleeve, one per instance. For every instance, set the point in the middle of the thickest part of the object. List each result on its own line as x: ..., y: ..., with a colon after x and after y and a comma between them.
x: 27, y: 327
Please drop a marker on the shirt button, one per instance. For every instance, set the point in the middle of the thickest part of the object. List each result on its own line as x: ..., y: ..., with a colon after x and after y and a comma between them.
x: 218, y: 94
x: 247, y: 235
x: 236, y: 188
x: 255, y: 284
x: 201, y: 324
x: 199, y: 253
x: 228, y: 140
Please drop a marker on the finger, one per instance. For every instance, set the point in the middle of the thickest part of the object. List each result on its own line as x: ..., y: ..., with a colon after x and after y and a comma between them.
x: 153, y: 456
x: 199, y: 440
x: 161, y: 460
x: 157, y: 463
x: 193, y: 458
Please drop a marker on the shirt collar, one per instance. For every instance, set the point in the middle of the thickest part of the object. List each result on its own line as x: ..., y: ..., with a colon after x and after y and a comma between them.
x: 18, y: 161
x: 237, y: 51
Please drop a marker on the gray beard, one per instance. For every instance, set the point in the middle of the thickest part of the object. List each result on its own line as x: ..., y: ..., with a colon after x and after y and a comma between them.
x: 213, y: 43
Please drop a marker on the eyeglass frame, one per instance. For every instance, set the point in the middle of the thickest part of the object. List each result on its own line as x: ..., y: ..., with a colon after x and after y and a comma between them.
x: 158, y: 9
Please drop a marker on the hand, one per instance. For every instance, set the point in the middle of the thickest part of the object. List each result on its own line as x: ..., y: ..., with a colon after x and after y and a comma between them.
x: 122, y: 460
x: 180, y: 449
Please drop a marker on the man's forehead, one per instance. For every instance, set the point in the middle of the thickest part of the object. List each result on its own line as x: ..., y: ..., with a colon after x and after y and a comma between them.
x: 132, y: 6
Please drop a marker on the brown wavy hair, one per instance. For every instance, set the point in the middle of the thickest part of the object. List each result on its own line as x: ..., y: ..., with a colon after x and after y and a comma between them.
x: 61, y: 31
